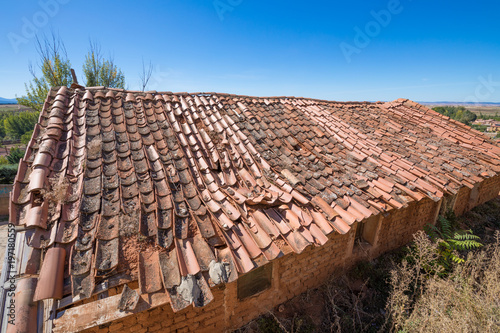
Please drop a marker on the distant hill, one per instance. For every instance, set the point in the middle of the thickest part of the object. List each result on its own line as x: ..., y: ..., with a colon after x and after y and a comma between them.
x: 8, y: 101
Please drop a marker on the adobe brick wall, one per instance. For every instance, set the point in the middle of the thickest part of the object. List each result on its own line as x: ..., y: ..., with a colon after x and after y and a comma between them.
x: 487, y: 190
x: 294, y: 274
x: 398, y: 227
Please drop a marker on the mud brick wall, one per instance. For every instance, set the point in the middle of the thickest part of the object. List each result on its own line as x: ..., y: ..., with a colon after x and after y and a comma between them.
x: 489, y: 189
x: 398, y: 227
x: 210, y: 318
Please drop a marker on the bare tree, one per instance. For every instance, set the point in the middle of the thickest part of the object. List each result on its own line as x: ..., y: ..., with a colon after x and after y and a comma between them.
x: 51, y: 51
x: 146, y: 74
x: 55, y: 70
x: 99, y: 71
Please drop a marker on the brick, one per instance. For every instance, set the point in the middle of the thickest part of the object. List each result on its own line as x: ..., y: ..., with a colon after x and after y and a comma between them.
x: 129, y: 321
x: 142, y: 330
x: 179, y: 318
x: 115, y: 327
x: 143, y: 317
x: 155, y: 328
x: 135, y: 328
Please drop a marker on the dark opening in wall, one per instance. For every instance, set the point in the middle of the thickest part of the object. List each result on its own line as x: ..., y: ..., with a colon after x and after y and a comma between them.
x: 366, y: 231
x: 359, y: 233
x: 255, y: 281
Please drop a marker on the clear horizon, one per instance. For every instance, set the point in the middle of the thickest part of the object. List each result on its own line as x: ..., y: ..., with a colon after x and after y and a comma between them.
x: 356, y: 51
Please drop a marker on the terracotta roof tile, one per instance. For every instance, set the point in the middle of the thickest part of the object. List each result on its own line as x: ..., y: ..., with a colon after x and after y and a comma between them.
x: 180, y: 190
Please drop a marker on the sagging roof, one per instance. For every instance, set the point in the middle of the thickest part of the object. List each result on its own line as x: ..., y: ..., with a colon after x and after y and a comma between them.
x: 183, y: 191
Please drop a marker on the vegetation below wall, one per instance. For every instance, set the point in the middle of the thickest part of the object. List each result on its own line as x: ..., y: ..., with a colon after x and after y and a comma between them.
x: 417, y: 288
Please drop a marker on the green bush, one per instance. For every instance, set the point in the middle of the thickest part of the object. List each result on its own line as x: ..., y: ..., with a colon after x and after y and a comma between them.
x: 26, y: 137
x: 15, y: 155
x: 451, y: 241
x: 458, y: 113
x: 8, y: 173
x: 18, y: 124
x: 480, y: 128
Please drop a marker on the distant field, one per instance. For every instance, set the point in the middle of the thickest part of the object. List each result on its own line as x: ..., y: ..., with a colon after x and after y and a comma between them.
x: 485, y: 110
x: 13, y: 108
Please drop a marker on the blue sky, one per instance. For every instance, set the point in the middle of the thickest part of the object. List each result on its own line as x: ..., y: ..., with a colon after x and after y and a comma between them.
x: 337, y: 50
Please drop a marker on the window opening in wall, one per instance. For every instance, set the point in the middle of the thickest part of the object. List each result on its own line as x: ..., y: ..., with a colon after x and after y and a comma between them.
x: 255, y: 281
x: 359, y: 233
x: 366, y: 231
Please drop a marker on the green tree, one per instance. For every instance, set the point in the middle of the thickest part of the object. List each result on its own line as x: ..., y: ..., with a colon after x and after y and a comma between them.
x: 8, y: 173
x: 99, y: 71
x: 3, y: 115
x: 26, y: 137
x: 55, y: 68
x: 15, y: 155
x: 451, y: 241
x: 459, y: 113
x: 17, y: 125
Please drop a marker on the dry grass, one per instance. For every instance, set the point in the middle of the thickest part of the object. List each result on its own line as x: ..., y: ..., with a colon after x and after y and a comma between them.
x: 467, y: 300
x: 349, y: 306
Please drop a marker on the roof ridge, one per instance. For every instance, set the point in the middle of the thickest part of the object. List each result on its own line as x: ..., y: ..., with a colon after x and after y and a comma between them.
x: 223, y: 94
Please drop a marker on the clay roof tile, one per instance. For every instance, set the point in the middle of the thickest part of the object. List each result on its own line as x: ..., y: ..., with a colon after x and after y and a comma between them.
x: 232, y: 186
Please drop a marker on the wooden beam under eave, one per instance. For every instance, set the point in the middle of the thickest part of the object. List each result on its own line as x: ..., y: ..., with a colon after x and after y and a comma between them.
x: 104, y: 311
x: 438, y: 209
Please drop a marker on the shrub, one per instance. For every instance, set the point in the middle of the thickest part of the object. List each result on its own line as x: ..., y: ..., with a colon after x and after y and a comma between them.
x: 451, y: 241
x: 17, y: 124
x: 8, y: 173
x: 465, y: 300
x: 26, y: 137
x: 15, y: 155
x: 458, y: 113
